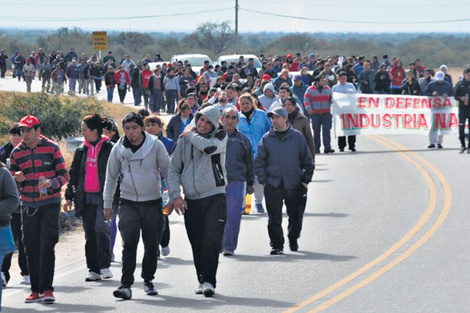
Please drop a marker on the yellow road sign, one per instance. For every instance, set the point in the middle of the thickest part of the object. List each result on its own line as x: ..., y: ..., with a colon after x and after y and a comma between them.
x: 100, y: 40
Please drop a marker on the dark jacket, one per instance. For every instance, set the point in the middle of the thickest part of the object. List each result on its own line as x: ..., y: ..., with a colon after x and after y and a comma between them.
x: 414, y: 89
x: 301, y: 123
x: 441, y: 88
x: 8, y: 196
x: 462, y: 89
x: 173, y: 130
x: 135, y: 78
x: 382, y: 82
x: 239, y: 159
x: 287, y: 159
x: 5, y: 152
x: 76, y: 186
x: 109, y: 79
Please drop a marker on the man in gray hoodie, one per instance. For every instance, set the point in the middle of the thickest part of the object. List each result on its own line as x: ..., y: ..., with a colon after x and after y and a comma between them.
x: 269, y: 96
x: 137, y: 160
x: 198, y: 164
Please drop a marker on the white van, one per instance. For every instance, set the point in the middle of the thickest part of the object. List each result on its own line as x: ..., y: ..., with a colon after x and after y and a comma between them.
x: 235, y: 58
x: 196, y: 60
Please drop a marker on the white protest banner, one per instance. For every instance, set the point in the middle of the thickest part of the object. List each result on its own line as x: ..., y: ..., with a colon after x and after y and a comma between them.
x: 371, y: 114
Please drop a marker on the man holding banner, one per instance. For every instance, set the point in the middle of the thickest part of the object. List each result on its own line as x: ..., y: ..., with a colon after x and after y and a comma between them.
x: 437, y: 88
x: 462, y: 92
x: 348, y: 88
x: 317, y: 102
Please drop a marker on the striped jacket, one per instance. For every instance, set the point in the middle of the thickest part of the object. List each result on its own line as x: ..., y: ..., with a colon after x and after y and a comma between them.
x: 44, y: 158
x: 319, y: 101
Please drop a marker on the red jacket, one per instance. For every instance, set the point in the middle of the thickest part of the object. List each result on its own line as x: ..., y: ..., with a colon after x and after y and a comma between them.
x: 117, y: 77
x: 397, y: 75
x: 146, y: 74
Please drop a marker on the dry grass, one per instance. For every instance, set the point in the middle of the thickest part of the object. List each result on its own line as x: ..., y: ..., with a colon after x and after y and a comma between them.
x: 455, y: 73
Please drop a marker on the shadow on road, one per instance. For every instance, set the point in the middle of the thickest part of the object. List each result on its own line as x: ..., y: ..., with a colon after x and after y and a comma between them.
x: 391, y: 151
x: 293, y: 256
x: 321, y: 181
x: 202, y: 303
x: 325, y: 214
x: 62, y: 307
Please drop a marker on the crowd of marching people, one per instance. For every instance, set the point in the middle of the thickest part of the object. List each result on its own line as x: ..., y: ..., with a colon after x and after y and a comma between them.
x: 166, y: 87
x: 236, y: 130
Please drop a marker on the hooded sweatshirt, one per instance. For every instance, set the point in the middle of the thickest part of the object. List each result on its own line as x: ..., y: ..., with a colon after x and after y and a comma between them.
x: 138, y: 172
x: 8, y: 196
x: 92, y: 182
x: 265, y: 101
x: 198, y: 161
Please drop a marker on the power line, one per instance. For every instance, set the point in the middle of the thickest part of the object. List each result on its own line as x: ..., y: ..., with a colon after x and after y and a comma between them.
x: 105, y: 18
x: 353, y: 22
x: 336, y: 5
x: 94, y: 4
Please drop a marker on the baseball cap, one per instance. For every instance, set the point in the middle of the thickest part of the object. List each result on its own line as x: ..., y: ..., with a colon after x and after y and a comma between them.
x: 29, y: 121
x: 266, y: 77
x: 443, y: 67
x: 279, y: 111
x: 297, y: 77
x: 440, y: 76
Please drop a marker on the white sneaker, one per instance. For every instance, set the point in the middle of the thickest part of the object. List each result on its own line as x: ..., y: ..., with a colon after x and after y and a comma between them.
x: 198, y: 290
x: 26, y: 280
x: 4, y: 281
x: 166, y: 251
x: 92, y: 276
x: 207, y: 289
x: 106, y: 273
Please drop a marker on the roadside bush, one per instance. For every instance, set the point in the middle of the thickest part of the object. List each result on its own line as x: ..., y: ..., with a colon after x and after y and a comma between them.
x: 59, y: 115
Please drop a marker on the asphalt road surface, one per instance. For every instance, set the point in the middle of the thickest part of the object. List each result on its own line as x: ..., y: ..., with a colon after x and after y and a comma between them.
x: 386, y: 229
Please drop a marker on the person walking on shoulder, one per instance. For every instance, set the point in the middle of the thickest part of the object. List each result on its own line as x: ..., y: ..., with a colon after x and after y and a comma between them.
x: 40, y: 172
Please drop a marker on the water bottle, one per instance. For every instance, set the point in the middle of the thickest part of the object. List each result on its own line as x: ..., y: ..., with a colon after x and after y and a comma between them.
x: 42, y: 191
x: 248, y: 204
x: 165, y: 199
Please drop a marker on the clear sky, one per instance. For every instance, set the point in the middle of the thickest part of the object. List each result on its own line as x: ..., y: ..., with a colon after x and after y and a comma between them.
x: 254, y: 15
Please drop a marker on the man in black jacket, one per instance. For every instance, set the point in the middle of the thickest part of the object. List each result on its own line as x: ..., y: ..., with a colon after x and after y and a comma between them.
x: 284, y: 166
x: 462, y: 94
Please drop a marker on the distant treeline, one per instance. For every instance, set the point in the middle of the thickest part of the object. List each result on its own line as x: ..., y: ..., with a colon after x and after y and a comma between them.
x: 213, y: 39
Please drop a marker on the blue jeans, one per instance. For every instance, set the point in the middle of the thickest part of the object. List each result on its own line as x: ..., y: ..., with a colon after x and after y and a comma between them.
x: 110, y: 94
x: 156, y: 100
x: 321, y: 123
x: 171, y: 99
x: 1, y: 285
x: 234, y: 191
x: 137, y: 92
x: 72, y: 84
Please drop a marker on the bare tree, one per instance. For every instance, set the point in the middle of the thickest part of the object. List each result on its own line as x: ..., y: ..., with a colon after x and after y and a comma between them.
x: 211, y: 36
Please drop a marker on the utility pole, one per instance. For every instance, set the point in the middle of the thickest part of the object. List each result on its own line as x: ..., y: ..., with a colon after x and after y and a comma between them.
x: 236, y: 26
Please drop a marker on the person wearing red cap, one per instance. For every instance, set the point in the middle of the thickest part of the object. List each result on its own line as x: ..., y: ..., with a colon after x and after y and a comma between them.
x: 40, y: 172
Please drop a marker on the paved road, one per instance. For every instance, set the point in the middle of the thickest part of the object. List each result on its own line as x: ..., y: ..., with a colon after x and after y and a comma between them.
x: 385, y: 230
x: 10, y: 84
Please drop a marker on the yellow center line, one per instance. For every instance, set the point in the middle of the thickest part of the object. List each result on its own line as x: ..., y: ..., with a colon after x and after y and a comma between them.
x: 425, y: 217
x: 427, y: 235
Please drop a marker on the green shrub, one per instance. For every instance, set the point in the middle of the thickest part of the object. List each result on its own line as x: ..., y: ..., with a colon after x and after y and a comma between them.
x: 59, y: 115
